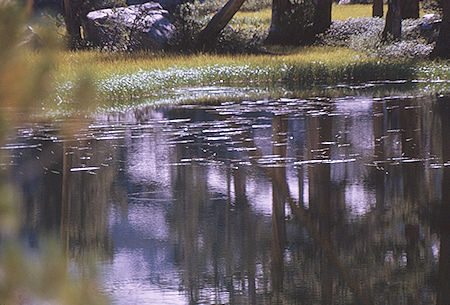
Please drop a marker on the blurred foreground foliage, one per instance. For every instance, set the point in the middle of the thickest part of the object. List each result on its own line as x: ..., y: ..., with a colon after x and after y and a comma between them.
x: 30, y: 276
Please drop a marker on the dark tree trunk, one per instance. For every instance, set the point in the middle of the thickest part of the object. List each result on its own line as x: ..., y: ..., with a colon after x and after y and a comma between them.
x: 209, y: 34
x: 322, y: 15
x: 73, y: 22
x: 442, y: 48
x: 409, y: 9
x: 279, y: 185
x: 393, y: 25
x: 278, y: 34
x: 377, y: 9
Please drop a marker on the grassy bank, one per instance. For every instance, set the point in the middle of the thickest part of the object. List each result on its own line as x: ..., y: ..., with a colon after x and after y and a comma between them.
x: 122, y: 80
x: 349, y: 53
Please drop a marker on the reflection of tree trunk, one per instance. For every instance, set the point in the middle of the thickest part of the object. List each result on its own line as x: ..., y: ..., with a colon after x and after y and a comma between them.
x: 228, y: 241
x: 409, y: 8
x: 278, y: 33
x: 377, y: 9
x: 443, y: 293
x: 239, y: 178
x: 279, y: 183
x: 188, y: 200
x: 393, y: 25
x: 210, y: 33
x: 363, y: 296
x: 320, y: 197
x: 301, y: 189
x: 65, y: 202
x: 412, y: 181
x: 378, y: 133
x: 249, y: 247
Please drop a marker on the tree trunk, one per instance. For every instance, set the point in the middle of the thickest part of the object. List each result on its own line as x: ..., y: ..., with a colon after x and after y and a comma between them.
x: 377, y: 8
x: 322, y: 15
x: 393, y: 25
x: 278, y: 33
x: 409, y: 9
x: 209, y: 34
x: 442, y: 48
x: 73, y: 23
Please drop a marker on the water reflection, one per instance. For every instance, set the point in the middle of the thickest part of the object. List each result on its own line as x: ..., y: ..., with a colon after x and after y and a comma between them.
x: 321, y: 201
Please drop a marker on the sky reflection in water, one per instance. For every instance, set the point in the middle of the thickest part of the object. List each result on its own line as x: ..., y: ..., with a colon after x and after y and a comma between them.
x: 318, y: 201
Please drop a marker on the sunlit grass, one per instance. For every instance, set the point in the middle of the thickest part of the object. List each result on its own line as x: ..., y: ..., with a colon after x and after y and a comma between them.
x: 263, y: 16
x: 123, y: 79
x: 343, y: 12
x: 339, y: 12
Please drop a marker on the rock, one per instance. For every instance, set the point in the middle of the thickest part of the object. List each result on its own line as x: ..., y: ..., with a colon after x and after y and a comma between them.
x: 430, y: 22
x: 144, y: 26
x: 344, y: 2
x: 169, y: 5
x: 57, y: 5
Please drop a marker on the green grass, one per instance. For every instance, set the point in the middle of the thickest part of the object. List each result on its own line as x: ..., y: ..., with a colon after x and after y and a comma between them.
x: 338, y: 12
x: 125, y: 80
x: 343, y: 12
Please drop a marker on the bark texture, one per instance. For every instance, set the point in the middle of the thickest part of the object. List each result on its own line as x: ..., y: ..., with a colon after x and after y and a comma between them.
x: 322, y: 15
x: 442, y: 48
x: 377, y: 8
x: 209, y: 34
x: 73, y: 22
x: 278, y: 33
x: 409, y: 9
x: 393, y: 25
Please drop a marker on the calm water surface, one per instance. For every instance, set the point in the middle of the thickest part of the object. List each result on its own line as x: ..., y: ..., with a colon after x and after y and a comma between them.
x: 318, y: 201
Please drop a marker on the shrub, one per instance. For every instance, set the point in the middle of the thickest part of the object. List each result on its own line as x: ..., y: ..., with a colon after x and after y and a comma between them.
x: 189, y: 21
x: 405, y: 49
x: 240, y: 40
x: 341, y: 32
x: 256, y: 5
x: 364, y: 34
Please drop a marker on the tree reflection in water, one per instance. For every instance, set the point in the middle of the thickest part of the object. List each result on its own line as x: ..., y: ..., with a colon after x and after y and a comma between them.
x: 340, y: 201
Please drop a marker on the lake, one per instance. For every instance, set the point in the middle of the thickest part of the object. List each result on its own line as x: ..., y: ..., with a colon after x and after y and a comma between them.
x: 340, y: 200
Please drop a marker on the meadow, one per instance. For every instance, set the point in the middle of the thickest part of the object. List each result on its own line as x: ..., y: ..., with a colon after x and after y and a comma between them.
x: 124, y: 79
